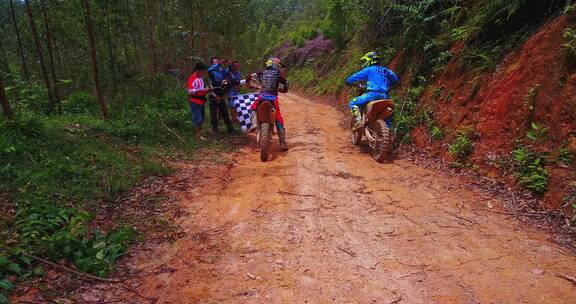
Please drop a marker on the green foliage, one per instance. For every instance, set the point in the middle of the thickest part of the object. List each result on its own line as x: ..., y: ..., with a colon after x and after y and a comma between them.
x: 59, y: 168
x: 565, y: 155
x: 436, y: 133
x: 421, y: 20
x: 331, y: 83
x: 96, y: 254
x: 80, y: 103
x: 405, y: 119
x: 537, y: 134
x: 7, y: 268
x: 304, y: 77
x: 530, y: 170
x: 570, y: 40
x: 463, y: 145
x: 440, y: 62
x: 335, y: 26
x: 437, y: 92
x: 480, y: 59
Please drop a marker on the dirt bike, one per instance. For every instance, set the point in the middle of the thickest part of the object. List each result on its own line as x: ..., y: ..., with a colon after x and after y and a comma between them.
x: 374, y: 128
x: 266, y: 117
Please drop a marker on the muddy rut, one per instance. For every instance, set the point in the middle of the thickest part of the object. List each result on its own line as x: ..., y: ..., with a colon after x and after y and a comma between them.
x: 324, y: 223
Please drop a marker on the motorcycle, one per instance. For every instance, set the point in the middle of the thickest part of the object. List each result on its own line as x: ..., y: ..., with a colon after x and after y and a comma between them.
x: 266, y: 119
x: 374, y: 128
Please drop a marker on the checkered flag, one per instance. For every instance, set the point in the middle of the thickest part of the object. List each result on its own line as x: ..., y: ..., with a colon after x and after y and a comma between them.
x: 242, y: 103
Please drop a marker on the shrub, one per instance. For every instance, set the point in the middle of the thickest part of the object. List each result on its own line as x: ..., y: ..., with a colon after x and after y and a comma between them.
x: 537, y: 133
x: 530, y: 170
x: 462, y: 146
x: 436, y: 133
x: 404, y: 117
x: 570, y: 40
x: 80, y: 103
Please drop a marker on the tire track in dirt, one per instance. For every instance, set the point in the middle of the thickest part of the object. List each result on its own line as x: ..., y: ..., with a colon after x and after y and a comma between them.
x: 324, y: 223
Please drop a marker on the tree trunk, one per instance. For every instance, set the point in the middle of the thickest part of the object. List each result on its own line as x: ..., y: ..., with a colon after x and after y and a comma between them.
x: 49, y: 44
x: 192, y: 28
x: 39, y: 51
x: 20, y: 48
x: 149, y: 12
x: 110, y: 48
x: 4, y: 57
x: 92, y: 41
x: 4, y: 101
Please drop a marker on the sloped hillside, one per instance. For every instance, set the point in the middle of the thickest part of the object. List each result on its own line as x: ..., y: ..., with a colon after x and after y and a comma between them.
x: 491, y: 94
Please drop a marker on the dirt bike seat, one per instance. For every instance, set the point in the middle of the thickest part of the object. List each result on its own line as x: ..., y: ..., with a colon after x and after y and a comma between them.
x: 379, y: 102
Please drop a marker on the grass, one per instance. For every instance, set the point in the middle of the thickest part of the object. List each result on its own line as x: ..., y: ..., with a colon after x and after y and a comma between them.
x: 57, y: 169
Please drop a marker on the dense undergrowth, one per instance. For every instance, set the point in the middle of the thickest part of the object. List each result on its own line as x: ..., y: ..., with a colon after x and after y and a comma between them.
x: 57, y: 169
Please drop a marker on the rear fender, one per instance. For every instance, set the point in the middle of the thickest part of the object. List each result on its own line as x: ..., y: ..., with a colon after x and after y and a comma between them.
x: 380, y: 109
x: 266, y: 112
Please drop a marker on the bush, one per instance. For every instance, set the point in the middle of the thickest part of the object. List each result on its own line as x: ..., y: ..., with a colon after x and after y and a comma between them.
x: 80, y: 103
x: 404, y: 117
x: 436, y: 133
x: 530, y: 170
x: 462, y: 146
x: 570, y: 41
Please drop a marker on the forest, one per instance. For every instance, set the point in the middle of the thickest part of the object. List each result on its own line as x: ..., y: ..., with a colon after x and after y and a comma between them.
x: 94, y: 103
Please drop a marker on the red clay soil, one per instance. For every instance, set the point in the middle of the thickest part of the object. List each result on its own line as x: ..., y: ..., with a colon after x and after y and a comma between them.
x: 497, y: 104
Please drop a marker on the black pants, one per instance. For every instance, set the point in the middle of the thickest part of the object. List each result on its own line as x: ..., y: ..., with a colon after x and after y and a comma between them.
x: 220, y: 108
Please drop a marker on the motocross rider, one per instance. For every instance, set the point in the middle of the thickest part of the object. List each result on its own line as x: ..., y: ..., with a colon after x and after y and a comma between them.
x: 378, y: 80
x: 270, y: 79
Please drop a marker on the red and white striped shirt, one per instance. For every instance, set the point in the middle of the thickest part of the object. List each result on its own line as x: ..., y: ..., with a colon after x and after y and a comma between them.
x: 196, y: 89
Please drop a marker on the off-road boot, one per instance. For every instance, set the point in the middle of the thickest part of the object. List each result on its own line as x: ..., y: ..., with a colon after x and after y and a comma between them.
x: 282, y: 138
x: 357, y: 118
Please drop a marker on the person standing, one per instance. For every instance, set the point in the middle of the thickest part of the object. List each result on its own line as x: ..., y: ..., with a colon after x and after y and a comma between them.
x: 219, y: 74
x: 197, y: 92
x: 236, y: 82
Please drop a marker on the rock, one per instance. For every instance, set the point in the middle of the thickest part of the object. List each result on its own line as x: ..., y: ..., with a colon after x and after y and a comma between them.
x: 538, y: 271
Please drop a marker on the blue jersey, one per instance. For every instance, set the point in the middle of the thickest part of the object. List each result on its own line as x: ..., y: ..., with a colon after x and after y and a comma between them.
x: 378, y: 79
x: 217, y: 74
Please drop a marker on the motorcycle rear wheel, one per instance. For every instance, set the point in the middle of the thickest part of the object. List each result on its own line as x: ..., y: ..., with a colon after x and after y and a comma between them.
x: 356, y: 135
x: 381, y: 148
x: 265, y: 140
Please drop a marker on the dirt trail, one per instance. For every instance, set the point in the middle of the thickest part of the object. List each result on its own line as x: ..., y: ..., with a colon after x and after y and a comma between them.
x: 324, y: 223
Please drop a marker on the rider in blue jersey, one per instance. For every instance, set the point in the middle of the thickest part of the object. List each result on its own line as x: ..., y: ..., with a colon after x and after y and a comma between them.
x: 378, y: 80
